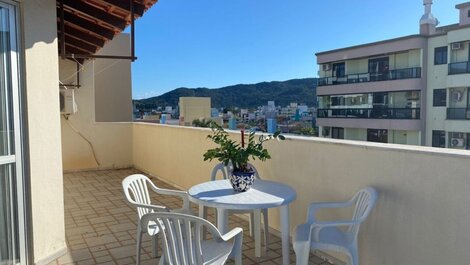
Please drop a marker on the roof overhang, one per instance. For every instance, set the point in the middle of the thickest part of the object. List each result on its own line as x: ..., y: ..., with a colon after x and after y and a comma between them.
x: 85, y: 26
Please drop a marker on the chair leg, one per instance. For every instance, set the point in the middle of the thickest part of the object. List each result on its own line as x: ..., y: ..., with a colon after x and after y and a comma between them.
x: 302, y: 252
x: 266, y: 229
x: 354, y: 258
x: 139, y: 243
x: 155, y: 246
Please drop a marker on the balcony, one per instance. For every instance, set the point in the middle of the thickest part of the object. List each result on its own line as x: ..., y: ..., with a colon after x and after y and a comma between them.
x: 379, y: 113
x: 417, y: 185
x: 458, y: 113
x: 459, y: 68
x: 397, y: 74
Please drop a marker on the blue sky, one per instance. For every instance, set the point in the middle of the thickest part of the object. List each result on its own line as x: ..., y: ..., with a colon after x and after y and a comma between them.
x: 215, y: 43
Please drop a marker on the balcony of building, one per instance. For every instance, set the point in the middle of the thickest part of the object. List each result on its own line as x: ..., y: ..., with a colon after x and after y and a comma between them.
x: 458, y: 105
x: 386, y: 75
x: 417, y: 185
x: 458, y: 64
x: 385, y: 110
x: 382, y: 66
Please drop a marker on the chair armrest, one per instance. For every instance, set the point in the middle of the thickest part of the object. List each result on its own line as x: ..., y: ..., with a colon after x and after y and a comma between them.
x: 333, y: 224
x: 182, y: 194
x: 234, y: 232
x: 157, y: 208
x: 314, y: 207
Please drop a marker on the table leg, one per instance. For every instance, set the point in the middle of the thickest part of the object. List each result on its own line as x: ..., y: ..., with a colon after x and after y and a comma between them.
x: 257, y: 231
x: 222, y: 222
x: 285, y: 234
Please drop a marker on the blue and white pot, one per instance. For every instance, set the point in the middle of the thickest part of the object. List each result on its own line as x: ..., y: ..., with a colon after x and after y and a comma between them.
x: 242, y: 181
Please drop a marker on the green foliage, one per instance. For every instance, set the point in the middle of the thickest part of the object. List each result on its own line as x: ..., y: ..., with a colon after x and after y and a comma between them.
x: 230, y: 151
x: 308, y: 131
x: 242, y: 96
x: 202, y: 123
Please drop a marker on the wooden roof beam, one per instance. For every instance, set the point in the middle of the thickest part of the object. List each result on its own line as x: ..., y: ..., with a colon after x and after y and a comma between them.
x: 125, y: 5
x: 75, y: 50
x: 96, y: 13
x: 81, y: 44
x: 88, y: 25
x: 84, y: 36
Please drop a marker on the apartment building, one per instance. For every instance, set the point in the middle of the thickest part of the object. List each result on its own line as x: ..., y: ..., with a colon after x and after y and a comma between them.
x: 409, y: 90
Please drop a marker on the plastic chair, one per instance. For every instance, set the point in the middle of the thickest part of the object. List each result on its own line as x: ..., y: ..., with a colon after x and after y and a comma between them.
x: 226, y: 174
x: 136, y: 191
x: 328, y: 235
x: 183, y: 242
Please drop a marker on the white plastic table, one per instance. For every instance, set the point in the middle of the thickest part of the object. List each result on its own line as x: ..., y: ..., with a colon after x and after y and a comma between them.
x: 262, y: 195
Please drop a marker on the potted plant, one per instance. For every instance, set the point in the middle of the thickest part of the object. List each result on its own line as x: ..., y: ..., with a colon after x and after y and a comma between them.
x: 236, y: 155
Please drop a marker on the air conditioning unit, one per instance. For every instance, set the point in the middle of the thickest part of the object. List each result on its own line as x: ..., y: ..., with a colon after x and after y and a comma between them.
x: 68, y: 106
x: 326, y: 67
x: 457, y: 142
x: 456, y: 46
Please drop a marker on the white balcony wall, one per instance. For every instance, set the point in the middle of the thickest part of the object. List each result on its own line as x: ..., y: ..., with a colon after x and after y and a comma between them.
x: 87, y: 143
x: 419, y: 218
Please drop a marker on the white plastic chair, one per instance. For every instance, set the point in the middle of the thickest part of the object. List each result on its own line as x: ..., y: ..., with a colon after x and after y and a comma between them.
x: 184, y: 244
x: 328, y: 235
x: 136, y: 191
x: 226, y: 174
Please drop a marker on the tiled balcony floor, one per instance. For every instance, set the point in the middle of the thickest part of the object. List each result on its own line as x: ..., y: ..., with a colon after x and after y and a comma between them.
x: 101, y: 227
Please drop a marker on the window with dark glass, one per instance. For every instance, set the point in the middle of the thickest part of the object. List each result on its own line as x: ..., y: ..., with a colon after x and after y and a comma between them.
x: 439, y: 139
x: 439, y: 97
x: 377, y: 135
x: 468, y: 13
x: 339, y: 69
x: 337, y: 133
x: 440, y: 55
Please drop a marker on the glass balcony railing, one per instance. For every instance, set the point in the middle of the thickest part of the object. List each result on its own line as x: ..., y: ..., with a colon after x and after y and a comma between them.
x: 371, y: 113
x: 458, y: 113
x: 459, y: 68
x: 371, y: 77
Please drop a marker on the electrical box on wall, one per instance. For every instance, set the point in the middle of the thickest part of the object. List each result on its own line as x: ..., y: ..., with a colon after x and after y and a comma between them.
x: 68, y: 106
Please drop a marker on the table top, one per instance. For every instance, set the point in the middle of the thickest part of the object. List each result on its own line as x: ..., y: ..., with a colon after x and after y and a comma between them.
x: 263, y: 194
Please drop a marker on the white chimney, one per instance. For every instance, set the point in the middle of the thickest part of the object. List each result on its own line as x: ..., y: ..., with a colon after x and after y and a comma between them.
x: 428, y: 23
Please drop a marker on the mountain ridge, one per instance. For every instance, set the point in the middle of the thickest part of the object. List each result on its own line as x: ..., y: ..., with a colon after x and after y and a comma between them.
x: 301, y: 90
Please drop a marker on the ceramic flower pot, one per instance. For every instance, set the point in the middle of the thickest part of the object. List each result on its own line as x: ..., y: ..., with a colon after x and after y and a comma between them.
x: 242, y: 181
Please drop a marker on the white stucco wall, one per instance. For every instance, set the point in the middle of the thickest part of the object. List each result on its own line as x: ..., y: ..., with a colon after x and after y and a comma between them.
x: 104, y: 96
x: 41, y: 81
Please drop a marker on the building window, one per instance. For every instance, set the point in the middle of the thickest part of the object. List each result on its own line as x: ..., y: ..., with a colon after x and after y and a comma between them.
x: 439, y: 97
x: 377, y: 135
x: 337, y: 133
x: 468, y: 13
x: 439, y: 139
x: 339, y: 69
x: 440, y: 55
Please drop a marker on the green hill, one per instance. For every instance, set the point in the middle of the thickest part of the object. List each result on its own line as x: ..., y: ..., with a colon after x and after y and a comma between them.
x: 242, y: 96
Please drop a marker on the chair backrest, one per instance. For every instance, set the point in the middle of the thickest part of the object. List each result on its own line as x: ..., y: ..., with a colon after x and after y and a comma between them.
x: 182, y: 236
x: 136, y: 191
x: 225, y: 170
x: 365, y: 201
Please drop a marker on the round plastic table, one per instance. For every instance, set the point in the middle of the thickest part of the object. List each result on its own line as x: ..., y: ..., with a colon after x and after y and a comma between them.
x: 262, y: 195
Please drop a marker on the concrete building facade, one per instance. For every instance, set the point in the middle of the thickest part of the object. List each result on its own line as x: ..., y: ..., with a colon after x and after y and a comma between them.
x: 408, y: 90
